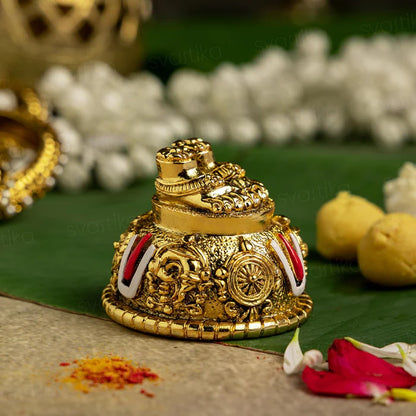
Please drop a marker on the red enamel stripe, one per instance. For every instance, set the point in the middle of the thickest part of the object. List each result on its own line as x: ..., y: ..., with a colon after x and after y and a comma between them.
x: 131, y: 262
x: 296, y: 261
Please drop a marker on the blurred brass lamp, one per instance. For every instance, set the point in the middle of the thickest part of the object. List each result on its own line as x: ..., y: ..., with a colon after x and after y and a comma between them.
x: 38, y: 34
x: 211, y: 261
x: 30, y: 155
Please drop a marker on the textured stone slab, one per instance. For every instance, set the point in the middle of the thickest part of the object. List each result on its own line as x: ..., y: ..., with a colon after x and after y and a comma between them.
x: 196, y: 378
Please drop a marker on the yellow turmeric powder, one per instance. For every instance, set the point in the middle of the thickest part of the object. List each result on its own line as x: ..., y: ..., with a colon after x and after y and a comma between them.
x: 109, y: 372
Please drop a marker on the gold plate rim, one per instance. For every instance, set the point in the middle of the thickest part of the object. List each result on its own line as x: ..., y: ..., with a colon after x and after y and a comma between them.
x: 204, y: 330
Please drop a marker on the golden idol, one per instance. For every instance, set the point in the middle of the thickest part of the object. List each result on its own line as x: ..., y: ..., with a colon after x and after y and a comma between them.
x: 211, y: 261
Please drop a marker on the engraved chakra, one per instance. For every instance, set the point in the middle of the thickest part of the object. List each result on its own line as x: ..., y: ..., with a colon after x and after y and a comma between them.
x: 251, y: 278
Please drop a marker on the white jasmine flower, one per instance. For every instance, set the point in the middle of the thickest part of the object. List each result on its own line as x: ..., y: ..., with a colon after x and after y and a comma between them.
x: 114, y: 171
x: 400, y: 193
x: 294, y: 361
x: 74, y: 177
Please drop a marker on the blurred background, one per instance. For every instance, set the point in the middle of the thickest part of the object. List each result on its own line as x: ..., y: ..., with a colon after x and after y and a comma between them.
x: 193, y: 33
x: 121, y: 78
x: 261, y: 8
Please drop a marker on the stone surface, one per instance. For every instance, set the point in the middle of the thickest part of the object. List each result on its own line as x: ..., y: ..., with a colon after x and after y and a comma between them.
x: 196, y: 378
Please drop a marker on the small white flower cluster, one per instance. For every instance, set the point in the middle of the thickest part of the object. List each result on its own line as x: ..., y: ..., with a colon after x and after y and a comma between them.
x: 400, y: 193
x: 109, y: 126
x: 112, y: 125
x: 368, y: 88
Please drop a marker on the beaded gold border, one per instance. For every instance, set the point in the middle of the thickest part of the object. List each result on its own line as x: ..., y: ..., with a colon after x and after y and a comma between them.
x: 204, y: 330
x: 20, y: 189
x: 28, y: 101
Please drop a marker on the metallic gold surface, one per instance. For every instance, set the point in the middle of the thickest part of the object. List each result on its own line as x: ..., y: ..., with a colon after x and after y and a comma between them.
x: 27, y: 100
x: 197, y: 195
x: 203, y: 330
x: 29, y: 153
x: 213, y: 274
x: 38, y: 34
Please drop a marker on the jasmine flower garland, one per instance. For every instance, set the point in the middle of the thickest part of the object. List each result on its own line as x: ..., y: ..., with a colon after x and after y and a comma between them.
x: 368, y: 88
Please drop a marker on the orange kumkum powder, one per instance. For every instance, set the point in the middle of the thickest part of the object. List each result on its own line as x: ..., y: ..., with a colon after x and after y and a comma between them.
x: 109, y: 372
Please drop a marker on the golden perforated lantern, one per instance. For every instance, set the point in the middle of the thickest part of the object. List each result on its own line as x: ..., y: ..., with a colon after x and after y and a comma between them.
x: 37, y: 34
x: 211, y: 261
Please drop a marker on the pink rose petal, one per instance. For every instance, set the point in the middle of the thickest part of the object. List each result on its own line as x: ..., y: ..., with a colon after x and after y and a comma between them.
x: 350, y: 362
x: 329, y: 383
